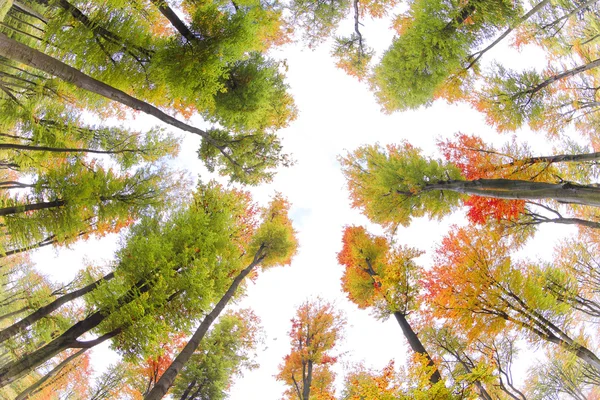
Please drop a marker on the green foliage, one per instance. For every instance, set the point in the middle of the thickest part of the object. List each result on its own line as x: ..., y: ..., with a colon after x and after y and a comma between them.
x: 254, y: 97
x: 436, y: 41
x: 224, y: 353
x: 508, y: 98
x: 390, y: 185
x: 186, y: 261
x: 317, y: 19
x: 275, y: 235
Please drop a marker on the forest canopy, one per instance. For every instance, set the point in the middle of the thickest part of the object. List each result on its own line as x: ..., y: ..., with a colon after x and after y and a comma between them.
x: 200, y: 138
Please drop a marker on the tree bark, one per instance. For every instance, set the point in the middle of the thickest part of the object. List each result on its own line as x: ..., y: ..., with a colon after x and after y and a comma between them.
x: 177, y: 23
x: 187, y: 391
x: 14, y: 146
x: 55, y: 371
x: 14, y: 370
x: 31, y: 207
x: 167, y: 379
x: 307, y: 381
x: 49, y: 308
x: 572, y: 72
x: 417, y: 346
x: 16, y: 51
x: 568, y: 193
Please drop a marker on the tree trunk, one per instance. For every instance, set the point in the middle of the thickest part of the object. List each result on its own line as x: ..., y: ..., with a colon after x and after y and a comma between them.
x: 49, y: 308
x: 14, y: 146
x: 177, y: 23
x: 509, y: 189
x: 16, y: 51
x: 307, y: 381
x: 417, y: 346
x: 187, y: 391
x: 12, y: 314
x: 167, y: 379
x: 572, y: 72
x: 475, y: 57
x: 55, y: 371
x: 31, y: 207
x: 97, y: 29
x: 14, y: 370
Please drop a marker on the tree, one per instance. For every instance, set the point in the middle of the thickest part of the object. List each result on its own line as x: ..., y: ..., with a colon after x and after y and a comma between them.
x: 272, y: 243
x: 562, y: 374
x: 385, y: 279
x: 168, y: 270
x: 224, y: 353
x: 75, y: 198
x: 315, y: 330
x: 47, y: 309
x: 478, y: 160
x: 395, y: 184
x: 435, y: 43
x: 476, y: 285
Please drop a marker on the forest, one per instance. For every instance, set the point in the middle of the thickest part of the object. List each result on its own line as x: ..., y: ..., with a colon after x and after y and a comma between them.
x: 299, y: 199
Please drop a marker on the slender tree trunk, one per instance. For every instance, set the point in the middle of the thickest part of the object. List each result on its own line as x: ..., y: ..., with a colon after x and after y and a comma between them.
x: 14, y: 146
x: 558, y: 158
x: 97, y: 29
x: 16, y: 51
x: 567, y: 193
x: 307, y: 381
x: 12, y: 314
x: 31, y: 390
x: 417, y: 346
x: 31, y: 207
x: 167, y: 379
x: 188, y: 390
x: 28, y: 10
x: 44, y: 311
x: 475, y: 57
x: 14, y: 370
x: 177, y: 23
x: 572, y: 72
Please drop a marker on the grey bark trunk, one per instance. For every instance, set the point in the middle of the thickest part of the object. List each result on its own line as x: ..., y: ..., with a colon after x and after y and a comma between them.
x: 567, y: 193
x: 167, y: 379
x: 417, y: 346
x: 16, y: 51
x: 55, y: 371
x: 49, y: 308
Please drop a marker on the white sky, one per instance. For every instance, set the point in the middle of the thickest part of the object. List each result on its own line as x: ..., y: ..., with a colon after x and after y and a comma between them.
x: 337, y: 114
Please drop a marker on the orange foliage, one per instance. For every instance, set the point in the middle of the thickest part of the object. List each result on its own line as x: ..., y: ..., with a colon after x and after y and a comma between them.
x: 315, y: 331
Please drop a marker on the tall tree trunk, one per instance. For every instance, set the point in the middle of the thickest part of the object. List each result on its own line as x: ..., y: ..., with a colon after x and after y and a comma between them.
x: 410, y: 335
x: 13, y: 313
x: 568, y: 193
x: 417, y: 346
x: 167, y: 379
x: 16, y: 51
x: 307, y: 381
x: 14, y: 370
x: 31, y: 390
x: 475, y: 57
x: 44, y: 205
x: 14, y: 146
x: 187, y: 391
x: 97, y: 29
x: 177, y: 23
x: 44, y: 311
x: 571, y: 72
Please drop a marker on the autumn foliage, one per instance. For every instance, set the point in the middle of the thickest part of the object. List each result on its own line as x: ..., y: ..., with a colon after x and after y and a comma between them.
x: 315, y: 331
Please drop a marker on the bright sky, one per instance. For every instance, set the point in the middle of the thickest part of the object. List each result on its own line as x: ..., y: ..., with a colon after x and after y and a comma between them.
x: 337, y: 114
